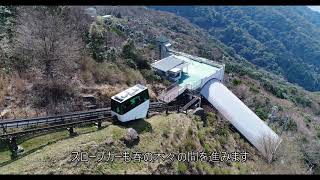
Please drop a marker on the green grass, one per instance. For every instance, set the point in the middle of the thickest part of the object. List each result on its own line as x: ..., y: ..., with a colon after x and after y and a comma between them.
x: 209, y: 169
x: 34, y: 143
x: 5, y: 155
x: 51, y: 158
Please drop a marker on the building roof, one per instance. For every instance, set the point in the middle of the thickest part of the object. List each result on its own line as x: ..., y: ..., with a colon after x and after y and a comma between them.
x: 168, y: 63
x: 128, y: 93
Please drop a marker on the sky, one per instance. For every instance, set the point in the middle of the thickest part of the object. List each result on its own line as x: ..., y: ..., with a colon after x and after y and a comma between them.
x: 316, y: 8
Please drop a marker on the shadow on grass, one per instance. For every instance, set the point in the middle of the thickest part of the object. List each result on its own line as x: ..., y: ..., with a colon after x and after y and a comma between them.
x: 140, y: 125
x: 132, y: 144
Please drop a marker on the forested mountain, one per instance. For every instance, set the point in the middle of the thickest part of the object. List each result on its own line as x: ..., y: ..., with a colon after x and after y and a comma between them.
x: 51, y: 57
x: 284, y: 40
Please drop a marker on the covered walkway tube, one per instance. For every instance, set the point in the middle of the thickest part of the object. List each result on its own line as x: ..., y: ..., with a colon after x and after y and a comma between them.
x: 241, y: 117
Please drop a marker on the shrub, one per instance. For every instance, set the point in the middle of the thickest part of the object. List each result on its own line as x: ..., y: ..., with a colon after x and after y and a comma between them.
x: 190, y: 132
x: 292, y: 125
x: 177, y: 133
x: 307, y: 119
x: 188, y: 145
x: 182, y: 167
x: 262, y: 113
x: 302, y: 101
x: 276, y: 90
x: 132, y: 76
x: 206, y: 148
x: 223, y: 131
x: 97, y: 35
x: 211, y: 118
x: 87, y: 76
x: 150, y: 76
x: 222, y: 140
x: 202, y: 136
x: 131, y: 63
x: 165, y: 133
x: 236, y: 82
x: 112, y: 54
x: 129, y: 52
x: 254, y: 90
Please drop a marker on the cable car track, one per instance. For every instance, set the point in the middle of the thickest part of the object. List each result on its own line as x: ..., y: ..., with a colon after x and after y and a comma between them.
x: 33, y: 125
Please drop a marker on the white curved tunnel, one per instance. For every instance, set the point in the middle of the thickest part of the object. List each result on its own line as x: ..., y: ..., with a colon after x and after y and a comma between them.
x: 240, y: 116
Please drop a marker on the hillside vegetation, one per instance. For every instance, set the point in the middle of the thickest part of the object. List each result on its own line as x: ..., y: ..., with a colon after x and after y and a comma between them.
x: 283, y: 40
x: 51, y: 56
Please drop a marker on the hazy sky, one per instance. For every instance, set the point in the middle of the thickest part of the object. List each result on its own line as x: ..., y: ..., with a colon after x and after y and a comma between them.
x: 316, y: 8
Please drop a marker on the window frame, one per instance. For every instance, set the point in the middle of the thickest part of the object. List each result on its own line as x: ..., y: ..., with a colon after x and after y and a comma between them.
x: 126, y: 105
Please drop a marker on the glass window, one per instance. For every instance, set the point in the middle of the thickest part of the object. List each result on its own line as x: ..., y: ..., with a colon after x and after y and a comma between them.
x: 124, y: 107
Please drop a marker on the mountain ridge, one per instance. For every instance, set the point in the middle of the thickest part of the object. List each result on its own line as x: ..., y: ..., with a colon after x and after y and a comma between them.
x: 283, y: 40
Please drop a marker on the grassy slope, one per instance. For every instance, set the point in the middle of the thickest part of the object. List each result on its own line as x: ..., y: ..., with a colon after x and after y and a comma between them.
x: 54, y: 158
x: 160, y: 133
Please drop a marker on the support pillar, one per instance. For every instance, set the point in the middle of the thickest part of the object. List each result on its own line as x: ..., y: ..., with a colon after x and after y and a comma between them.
x: 99, y: 124
x: 13, y: 147
x: 4, y: 130
x: 71, y: 132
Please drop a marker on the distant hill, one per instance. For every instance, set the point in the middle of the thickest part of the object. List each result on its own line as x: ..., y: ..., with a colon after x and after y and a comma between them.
x: 283, y: 40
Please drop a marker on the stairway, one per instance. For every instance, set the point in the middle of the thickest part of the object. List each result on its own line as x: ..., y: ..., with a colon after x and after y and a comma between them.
x: 195, y: 99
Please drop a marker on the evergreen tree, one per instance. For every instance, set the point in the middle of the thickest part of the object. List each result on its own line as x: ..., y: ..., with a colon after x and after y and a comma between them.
x: 97, y: 42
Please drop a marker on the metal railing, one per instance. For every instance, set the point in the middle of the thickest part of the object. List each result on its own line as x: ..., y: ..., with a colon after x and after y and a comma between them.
x: 32, y: 125
x: 200, y: 59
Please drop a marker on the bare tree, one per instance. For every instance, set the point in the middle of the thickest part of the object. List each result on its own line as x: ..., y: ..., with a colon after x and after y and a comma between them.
x: 268, y: 147
x: 77, y: 16
x: 5, y: 52
x: 2, y: 58
x: 47, y: 43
